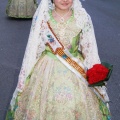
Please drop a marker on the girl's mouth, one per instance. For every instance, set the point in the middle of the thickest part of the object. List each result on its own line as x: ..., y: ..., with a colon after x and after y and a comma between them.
x: 65, y: 4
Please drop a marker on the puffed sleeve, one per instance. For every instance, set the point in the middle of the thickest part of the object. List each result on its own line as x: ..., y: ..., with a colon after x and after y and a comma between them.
x: 88, y: 44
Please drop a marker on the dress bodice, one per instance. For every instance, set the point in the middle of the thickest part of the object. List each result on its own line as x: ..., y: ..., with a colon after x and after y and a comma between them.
x: 68, y: 34
x: 65, y: 31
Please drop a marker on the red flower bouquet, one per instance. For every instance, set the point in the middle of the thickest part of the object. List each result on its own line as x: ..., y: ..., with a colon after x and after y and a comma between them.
x: 98, y: 74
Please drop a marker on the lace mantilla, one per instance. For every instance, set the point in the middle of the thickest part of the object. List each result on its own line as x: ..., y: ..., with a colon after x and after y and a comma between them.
x: 88, y: 44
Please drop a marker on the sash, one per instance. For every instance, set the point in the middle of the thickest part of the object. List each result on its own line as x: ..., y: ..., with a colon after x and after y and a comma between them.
x: 72, y: 63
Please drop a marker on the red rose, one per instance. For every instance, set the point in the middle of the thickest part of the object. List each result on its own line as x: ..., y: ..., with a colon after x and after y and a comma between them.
x: 97, y: 73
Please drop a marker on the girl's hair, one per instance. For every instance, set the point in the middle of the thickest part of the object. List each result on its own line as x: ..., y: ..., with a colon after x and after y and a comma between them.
x: 52, y: 1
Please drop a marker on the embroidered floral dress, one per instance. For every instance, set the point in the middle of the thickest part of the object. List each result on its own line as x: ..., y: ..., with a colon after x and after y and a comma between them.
x: 52, y: 91
x: 21, y: 8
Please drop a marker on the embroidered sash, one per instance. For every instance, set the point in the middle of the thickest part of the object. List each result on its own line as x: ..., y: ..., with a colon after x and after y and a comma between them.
x: 63, y: 54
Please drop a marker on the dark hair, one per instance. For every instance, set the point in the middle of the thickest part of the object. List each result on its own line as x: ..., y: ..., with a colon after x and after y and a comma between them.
x: 52, y: 1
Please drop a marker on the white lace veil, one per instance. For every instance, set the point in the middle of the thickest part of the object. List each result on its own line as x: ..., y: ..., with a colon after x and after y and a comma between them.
x: 36, y: 45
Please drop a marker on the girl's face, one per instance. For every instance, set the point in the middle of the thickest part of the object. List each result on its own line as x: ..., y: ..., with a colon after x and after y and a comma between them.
x: 63, y: 4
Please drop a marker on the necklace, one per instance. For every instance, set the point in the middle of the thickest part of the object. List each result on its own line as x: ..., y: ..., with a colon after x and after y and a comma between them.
x: 62, y: 25
x: 61, y: 17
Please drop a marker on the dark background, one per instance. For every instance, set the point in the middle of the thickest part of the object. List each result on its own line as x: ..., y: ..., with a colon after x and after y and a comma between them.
x: 14, y: 35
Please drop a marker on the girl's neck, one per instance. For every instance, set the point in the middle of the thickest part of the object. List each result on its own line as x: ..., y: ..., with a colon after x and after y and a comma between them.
x: 61, y: 12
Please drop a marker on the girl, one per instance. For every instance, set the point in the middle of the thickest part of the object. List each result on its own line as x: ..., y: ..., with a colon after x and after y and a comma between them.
x: 52, y: 81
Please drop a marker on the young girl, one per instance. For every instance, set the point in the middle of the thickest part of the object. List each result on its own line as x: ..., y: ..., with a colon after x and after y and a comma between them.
x: 21, y: 8
x: 52, y: 82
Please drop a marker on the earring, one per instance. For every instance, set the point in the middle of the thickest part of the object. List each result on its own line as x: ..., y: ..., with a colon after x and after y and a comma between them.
x: 53, y: 6
x: 72, y: 5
